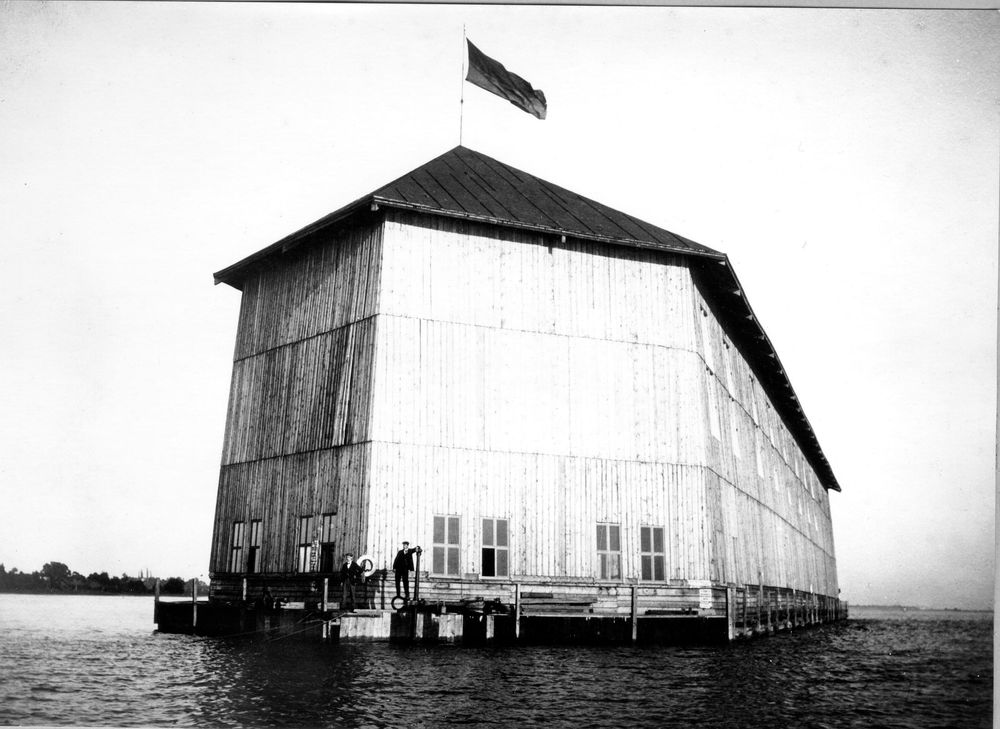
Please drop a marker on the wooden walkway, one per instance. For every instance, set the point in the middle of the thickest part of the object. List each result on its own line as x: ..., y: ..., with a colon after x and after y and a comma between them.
x: 475, y: 611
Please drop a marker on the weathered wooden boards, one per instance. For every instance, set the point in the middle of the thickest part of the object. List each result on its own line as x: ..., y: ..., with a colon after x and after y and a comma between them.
x: 297, y: 427
x: 559, y: 385
x: 428, y: 367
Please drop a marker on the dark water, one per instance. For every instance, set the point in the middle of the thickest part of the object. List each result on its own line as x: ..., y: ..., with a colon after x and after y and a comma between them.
x: 96, y: 661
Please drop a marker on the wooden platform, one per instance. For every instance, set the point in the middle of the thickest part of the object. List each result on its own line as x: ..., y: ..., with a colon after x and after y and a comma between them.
x: 473, y: 611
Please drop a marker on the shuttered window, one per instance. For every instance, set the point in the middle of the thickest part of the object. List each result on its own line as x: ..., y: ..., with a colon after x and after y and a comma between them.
x: 609, y: 551
x: 236, y: 548
x: 327, y: 558
x: 305, y: 562
x: 496, y: 561
x: 445, y: 550
x: 253, y: 556
x: 652, y: 553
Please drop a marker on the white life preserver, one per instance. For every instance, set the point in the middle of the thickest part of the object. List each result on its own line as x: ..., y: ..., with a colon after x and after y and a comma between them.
x: 369, y: 569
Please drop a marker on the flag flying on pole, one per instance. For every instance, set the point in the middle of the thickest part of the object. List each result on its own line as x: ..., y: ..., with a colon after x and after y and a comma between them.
x: 491, y: 75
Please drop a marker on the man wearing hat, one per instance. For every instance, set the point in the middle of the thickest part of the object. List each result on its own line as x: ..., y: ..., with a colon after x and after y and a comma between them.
x: 402, y: 566
x: 350, y: 575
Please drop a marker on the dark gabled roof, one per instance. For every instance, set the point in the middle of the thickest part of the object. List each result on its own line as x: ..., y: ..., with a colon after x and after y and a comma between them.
x: 471, y: 186
x: 468, y: 185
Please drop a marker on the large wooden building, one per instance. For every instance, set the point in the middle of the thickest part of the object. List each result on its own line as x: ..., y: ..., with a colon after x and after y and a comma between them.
x: 551, y: 397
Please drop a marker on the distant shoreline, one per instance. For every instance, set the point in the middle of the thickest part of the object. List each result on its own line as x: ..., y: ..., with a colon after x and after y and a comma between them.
x: 90, y: 593
x: 914, y: 608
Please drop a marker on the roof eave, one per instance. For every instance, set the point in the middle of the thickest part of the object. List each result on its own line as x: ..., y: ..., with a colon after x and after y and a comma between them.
x: 800, y: 426
x: 234, y: 274
x: 549, y: 230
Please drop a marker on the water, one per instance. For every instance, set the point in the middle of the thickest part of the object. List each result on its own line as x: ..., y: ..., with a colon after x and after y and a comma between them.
x: 74, y: 660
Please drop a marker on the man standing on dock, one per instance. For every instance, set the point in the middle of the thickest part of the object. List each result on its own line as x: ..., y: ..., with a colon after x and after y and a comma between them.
x: 402, y: 566
x: 350, y: 575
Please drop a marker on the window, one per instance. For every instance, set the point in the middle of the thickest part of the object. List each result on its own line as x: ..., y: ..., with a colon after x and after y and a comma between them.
x: 496, y: 559
x: 609, y: 551
x: 445, y: 548
x: 652, y: 553
x: 326, y: 555
x: 305, y: 544
x: 253, y: 557
x: 236, y: 551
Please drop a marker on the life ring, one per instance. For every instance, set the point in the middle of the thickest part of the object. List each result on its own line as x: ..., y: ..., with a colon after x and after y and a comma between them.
x: 368, y: 569
x: 402, y: 602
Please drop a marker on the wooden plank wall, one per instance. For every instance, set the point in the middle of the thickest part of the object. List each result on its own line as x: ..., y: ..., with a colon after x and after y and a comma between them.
x: 552, y: 503
x: 280, y: 490
x: 562, y: 384
x: 774, y: 525
x: 298, y: 414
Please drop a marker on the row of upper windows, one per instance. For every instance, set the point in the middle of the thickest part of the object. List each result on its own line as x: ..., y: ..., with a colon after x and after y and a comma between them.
x: 317, y: 554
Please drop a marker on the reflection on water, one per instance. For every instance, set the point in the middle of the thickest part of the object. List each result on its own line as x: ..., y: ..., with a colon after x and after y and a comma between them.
x: 96, y: 660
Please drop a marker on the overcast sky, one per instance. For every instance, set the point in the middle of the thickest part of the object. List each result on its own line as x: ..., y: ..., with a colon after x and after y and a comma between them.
x: 846, y: 160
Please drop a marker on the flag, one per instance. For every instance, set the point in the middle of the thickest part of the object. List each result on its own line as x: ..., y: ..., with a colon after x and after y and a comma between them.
x: 488, y: 74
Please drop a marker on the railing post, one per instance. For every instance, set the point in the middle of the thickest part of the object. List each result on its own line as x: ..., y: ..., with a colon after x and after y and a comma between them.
x: 416, y: 597
x: 517, y: 611
x: 746, y: 592
x: 731, y: 612
x: 416, y: 579
x: 326, y: 594
x: 760, y: 605
x: 635, y: 613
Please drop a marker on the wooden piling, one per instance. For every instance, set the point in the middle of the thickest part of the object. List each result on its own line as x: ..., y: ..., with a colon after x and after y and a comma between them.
x: 244, y: 597
x: 194, y: 602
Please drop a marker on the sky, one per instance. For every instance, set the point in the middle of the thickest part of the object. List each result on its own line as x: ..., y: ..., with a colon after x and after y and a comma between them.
x: 846, y: 160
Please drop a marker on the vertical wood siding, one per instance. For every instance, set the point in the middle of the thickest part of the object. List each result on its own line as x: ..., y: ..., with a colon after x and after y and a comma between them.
x: 563, y: 384
x: 432, y: 367
x: 299, y: 410
x: 279, y: 491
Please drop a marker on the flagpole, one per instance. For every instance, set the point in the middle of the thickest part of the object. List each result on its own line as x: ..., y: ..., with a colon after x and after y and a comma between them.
x: 461, y: 101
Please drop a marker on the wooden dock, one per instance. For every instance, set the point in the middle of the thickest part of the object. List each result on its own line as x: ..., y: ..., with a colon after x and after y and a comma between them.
x: 474, y: 612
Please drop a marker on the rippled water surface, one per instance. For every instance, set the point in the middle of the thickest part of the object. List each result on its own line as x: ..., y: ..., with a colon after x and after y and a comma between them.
x: 69, y: 660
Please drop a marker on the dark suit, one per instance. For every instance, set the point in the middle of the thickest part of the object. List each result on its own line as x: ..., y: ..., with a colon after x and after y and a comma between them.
x: 402, y: 566
x: 350, y: 575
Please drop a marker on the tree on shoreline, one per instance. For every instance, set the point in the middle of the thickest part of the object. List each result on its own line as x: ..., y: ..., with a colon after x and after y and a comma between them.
x: 57, y: 577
